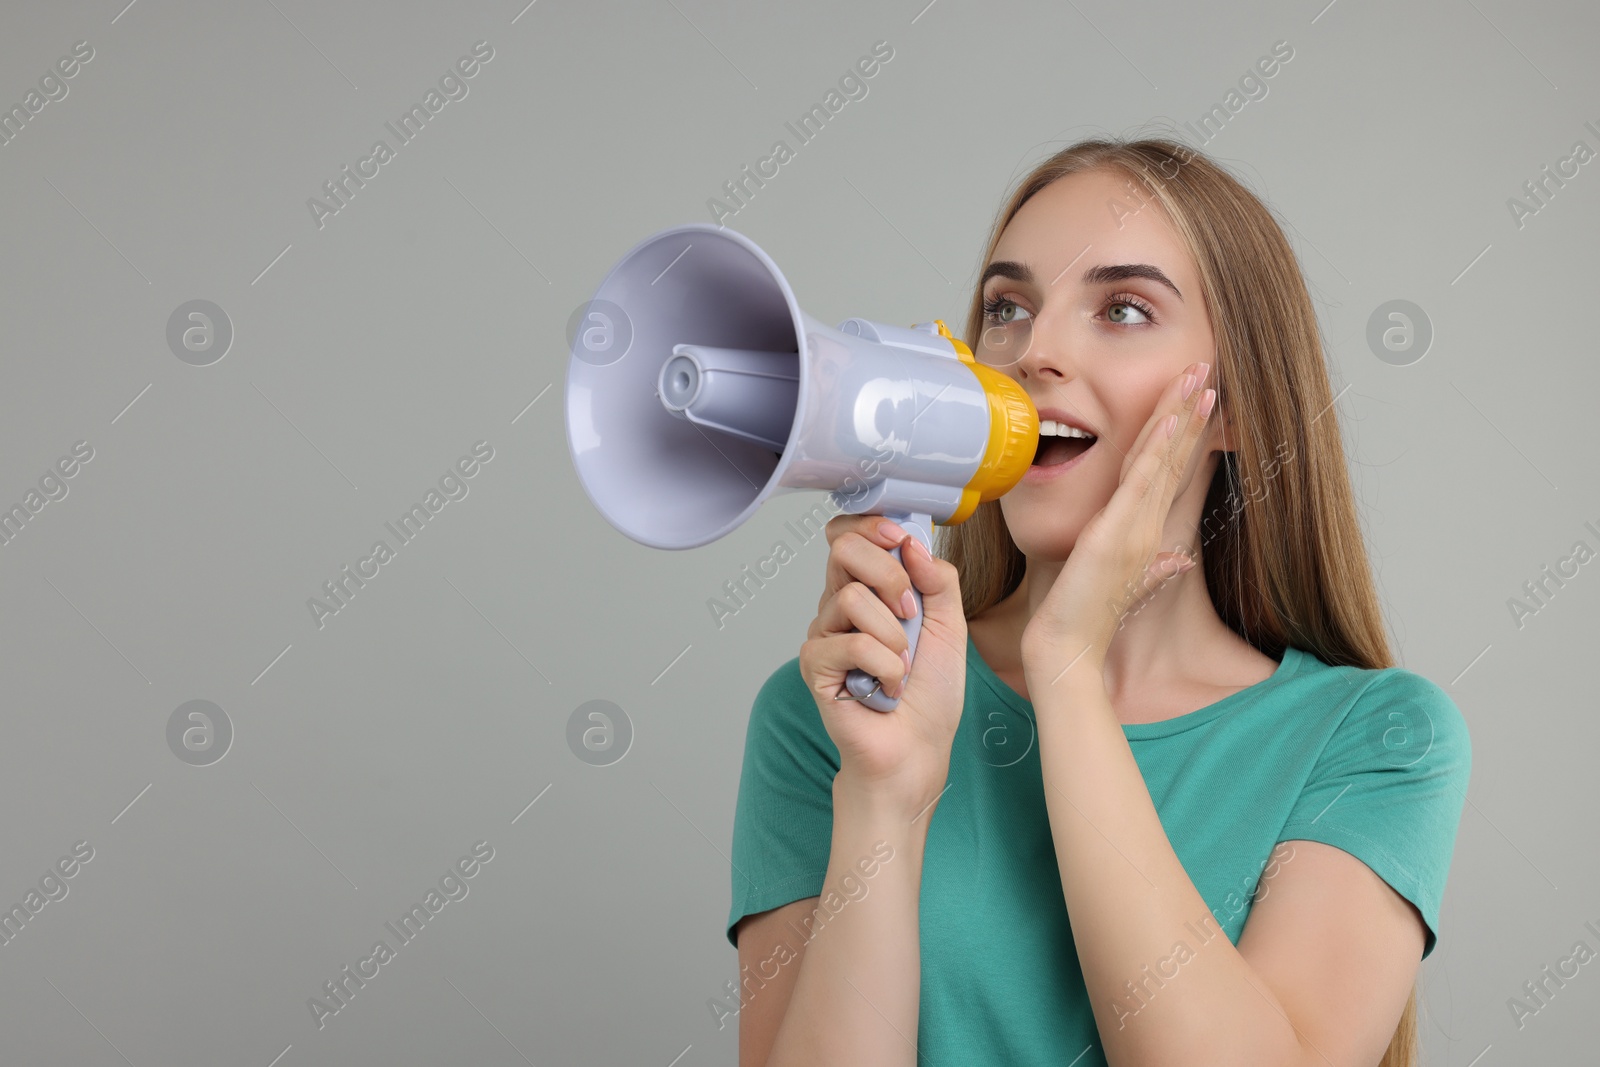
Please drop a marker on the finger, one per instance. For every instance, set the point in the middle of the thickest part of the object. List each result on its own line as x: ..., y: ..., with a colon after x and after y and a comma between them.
x: 1155, y: 467
x: 855, y: 607
x: 826, y: 660
x: 875, y: 528
x: 854, y: 558
x: 1173, y: 401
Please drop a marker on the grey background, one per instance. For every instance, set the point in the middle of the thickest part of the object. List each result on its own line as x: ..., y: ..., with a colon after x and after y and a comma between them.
x: 370, y: 354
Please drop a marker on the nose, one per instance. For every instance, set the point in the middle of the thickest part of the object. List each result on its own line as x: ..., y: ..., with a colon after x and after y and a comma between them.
x: 1042, y: 361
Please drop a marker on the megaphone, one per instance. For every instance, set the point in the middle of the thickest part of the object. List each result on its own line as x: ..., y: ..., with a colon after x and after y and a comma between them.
x: 697, y: 388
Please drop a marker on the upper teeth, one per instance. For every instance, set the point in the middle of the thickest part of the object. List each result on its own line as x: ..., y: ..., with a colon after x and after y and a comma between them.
x: 1051, y: 428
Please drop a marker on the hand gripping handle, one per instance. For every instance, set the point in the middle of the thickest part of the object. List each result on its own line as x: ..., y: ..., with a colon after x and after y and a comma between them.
x: 861, y: 685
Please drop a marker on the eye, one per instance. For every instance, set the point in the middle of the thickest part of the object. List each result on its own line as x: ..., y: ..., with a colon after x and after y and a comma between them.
x: 999, y: 311
x: 1120, y: 306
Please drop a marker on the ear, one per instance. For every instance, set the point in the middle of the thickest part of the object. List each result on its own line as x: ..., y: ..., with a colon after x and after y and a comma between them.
x: 1220, y: 435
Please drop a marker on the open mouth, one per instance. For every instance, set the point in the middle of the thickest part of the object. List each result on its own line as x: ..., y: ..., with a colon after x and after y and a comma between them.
x: 1060, y: 443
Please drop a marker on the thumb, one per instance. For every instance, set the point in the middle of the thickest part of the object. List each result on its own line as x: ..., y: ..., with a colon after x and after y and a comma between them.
x: 937, y: 580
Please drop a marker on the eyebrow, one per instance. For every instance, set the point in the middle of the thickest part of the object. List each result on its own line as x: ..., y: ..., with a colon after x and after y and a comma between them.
x: 1007, y: 268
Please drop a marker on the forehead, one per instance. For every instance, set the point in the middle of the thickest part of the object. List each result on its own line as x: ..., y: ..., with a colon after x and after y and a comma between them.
x: 1105, y: 210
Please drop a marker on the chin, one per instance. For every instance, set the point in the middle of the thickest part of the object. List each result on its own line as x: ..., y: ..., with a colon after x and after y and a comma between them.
x: 1040, y: 533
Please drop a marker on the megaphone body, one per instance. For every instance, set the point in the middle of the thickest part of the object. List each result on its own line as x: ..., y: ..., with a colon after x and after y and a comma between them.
x: 697, y: 388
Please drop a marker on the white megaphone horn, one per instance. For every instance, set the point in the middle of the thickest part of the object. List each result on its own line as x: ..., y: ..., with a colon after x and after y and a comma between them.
x: 697, y: 388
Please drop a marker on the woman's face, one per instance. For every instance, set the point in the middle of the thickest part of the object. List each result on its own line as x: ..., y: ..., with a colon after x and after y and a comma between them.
x: 1091, y: 341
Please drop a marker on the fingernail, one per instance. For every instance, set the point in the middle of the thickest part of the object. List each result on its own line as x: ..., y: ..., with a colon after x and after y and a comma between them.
x: 1171, y: 424
x: 908, y: 604
x: 1203, y: 370
x: 1206, y: 401
x: 905, y: 657
x: 890, y: 532
x: 922, y: 549
x: 1189, y: 382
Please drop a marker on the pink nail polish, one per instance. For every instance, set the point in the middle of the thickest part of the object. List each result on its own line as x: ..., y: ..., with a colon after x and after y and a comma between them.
x: 908, y: 605
x: 1206, y: 401
x: 1189, y: 382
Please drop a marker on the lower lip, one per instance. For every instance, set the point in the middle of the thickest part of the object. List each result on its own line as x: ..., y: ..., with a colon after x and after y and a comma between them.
x: 1043, y: 474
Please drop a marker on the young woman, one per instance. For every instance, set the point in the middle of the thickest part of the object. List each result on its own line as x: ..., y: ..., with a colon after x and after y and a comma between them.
x: 1155, y: 792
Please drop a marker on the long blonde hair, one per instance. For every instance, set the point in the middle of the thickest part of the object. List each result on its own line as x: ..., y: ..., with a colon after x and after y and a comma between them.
x: 1284, y: 558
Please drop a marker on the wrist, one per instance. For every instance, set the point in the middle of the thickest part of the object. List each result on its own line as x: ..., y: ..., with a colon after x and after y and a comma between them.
x: 1054, y: 662
x: 904, y: 803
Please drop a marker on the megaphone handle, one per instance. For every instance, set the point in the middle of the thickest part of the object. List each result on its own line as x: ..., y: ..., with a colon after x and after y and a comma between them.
x: 861, y: 685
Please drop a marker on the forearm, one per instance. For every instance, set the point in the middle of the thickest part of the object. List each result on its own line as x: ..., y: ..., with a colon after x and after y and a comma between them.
x: 1131, y: 904
x: 858, y: 991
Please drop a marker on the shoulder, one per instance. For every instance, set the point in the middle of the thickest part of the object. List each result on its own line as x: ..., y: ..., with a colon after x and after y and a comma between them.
x: 784, y: 715
x: 1407, y: 720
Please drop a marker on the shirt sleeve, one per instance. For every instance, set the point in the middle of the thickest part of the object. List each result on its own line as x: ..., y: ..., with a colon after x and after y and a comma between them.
x: 783, y: 821
x: 1390, y: 787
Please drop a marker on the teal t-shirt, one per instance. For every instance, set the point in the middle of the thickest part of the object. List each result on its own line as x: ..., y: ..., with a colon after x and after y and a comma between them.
x: 1373, y: 762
